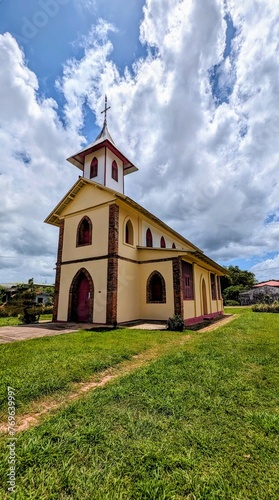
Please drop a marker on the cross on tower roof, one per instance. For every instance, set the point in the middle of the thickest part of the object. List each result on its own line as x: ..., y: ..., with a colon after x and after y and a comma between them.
x: 106, y: 109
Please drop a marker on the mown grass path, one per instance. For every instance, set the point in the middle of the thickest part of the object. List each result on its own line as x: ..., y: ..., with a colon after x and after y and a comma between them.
x: 49, y: 404
x: 162, y: 343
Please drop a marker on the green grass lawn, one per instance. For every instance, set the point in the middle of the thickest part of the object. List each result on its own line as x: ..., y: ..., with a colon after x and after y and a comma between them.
x: 15, y: 321
x: 9, y: 321
x: 48, y: 365
x: 201, y: 422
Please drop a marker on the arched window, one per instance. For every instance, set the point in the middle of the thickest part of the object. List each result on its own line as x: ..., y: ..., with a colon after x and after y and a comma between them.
x: 213, y: 286
x: 94, y: 168
x: 114, y: 171
x: 173, y: 245
x: 219, y: 288
x: 149, y: 239
x: 156, y: 288
x: 129, y: 233
x: 163, y: 243
x: 84, y: 232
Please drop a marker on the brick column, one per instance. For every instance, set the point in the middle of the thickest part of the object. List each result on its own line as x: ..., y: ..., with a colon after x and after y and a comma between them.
x: 112, y: 279
x: 58, y: 270
x: 177, y: 286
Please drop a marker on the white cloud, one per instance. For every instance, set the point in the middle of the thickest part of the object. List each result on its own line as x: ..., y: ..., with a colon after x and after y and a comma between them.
x: 209, y: 171
x: 267, y: 269
x: 33, y: 173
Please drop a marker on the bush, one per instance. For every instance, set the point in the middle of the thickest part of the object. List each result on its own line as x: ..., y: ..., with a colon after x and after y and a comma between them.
x: 3, y: 312
x: 8, y: 312
x: 47, y: 309
x: 175, y: 324
x: 231, y: 303
x: 270, y: 308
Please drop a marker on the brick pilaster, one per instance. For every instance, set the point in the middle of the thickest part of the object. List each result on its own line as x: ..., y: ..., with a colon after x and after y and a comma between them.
x: 58, y: 270
x: 112, y: 278
x: 177, y: 286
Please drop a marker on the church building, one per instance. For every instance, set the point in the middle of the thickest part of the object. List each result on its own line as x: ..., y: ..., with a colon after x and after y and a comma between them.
x: 119, y: 263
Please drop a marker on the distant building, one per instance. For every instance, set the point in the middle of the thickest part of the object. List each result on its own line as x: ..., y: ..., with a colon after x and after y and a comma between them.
x: 11, y: 289
x: 262, y: 292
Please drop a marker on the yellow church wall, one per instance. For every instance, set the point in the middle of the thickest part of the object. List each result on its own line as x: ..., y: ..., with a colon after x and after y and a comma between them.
x: 128, y: 291
x: 189, y: 309
x: 99, y: 218
x: 98, y: 272
x: 89, y: 196
x: 213, y: 306
x: 156, y: 253
x: 126, y: 250
x: 156, y: 311
x: 199, y: 275
x: 157, y: 233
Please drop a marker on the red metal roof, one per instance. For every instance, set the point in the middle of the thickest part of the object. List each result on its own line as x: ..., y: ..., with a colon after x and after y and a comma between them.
x: 268, y: 283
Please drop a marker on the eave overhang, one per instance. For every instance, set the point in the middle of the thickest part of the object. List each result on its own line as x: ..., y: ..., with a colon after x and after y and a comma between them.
x: 193, y: 256
x: 55, y: 215
x: 78, y: 158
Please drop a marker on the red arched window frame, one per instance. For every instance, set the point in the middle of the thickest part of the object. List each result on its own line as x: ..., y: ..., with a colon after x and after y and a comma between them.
x: 129, y: 233
x: 149, y: 239
x: 94, y: 168
x: 213, y: 286
x: 163, y: 242
x: 84, y: 232
x: 114, y: 171
x: 219, y: 288
x: 156, y: 288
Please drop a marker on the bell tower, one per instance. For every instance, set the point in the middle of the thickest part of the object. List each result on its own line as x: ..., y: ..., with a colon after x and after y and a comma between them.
x: 102, y: 162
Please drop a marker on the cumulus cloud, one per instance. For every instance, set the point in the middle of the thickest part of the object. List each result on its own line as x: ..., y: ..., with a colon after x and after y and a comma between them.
x: 33, y: 171
x: 208, y: 161
x: 213, y: 164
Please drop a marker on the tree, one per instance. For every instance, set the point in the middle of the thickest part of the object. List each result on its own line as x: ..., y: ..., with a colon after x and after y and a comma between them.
x: 235, y: 282
x: 24, y: 304
x: 2, y: 294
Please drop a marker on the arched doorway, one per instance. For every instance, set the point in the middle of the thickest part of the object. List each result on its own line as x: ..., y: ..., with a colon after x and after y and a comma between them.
x: 81, y: 298
x: 204, y: 297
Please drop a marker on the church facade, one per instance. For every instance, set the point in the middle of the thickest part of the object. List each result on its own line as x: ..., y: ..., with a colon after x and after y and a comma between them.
x: 117, y: 262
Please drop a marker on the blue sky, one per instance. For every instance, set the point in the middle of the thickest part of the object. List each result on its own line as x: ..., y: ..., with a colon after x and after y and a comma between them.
x: 194, y: 97
x: 51, y: 31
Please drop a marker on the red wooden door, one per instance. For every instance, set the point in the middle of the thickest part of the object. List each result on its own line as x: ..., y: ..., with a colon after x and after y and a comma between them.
x: 83, y: 301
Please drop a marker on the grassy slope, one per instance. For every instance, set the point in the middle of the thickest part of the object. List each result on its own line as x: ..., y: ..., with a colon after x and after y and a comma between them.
x: 199, y: 423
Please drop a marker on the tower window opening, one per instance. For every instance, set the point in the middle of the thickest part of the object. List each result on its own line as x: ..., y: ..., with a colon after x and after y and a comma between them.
x: 114, y: 171
x: 94, y: 168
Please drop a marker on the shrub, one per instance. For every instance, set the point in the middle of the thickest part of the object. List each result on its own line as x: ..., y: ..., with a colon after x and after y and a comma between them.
x: 3, y: 312
x: 231, y: 303
x: 48, y: 309
x: 271, y: 308
x: 175, y: 324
